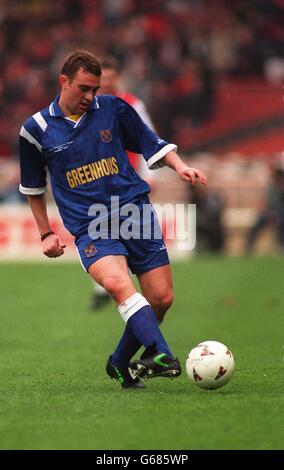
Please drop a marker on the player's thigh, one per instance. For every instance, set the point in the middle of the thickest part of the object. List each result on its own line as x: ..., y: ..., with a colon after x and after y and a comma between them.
x: 157, y: 285
x: 112, y: 273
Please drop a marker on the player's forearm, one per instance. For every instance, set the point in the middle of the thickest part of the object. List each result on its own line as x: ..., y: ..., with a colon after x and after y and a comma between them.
x: 185, y: 172
x: 38, y: 207
x: 173, y: 161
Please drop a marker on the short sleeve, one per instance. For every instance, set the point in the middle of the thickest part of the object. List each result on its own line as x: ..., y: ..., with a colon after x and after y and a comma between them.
x: 139, y: 138
x: 32, y: 164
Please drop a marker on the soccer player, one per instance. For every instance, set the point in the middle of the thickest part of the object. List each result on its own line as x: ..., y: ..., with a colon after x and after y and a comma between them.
x: 111, y: 85
x: 87, y: 161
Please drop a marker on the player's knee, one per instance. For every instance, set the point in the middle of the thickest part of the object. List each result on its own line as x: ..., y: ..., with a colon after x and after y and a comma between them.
x: 162, y: 301
x: 167, y: 301
x: 114, y: 285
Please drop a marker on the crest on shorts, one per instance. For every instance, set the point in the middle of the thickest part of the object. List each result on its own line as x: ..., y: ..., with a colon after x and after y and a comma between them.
x: 106, y: 135
x: 90, y: 250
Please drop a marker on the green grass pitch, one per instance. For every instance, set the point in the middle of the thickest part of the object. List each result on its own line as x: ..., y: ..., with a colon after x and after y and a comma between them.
x: 54, y: 393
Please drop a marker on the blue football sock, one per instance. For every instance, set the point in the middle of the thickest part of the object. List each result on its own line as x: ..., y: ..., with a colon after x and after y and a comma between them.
x: 142, y: 328
x: 126, y: 348
x: 145, y: 326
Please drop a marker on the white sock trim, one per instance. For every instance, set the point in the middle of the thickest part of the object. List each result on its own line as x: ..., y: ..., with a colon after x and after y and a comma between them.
x: 131, y: 306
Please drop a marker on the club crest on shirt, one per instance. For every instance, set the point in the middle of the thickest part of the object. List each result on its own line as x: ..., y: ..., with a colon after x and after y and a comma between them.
x: 90, y: 250
x: 106, y: 135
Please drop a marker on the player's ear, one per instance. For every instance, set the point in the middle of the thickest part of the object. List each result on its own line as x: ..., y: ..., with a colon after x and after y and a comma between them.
x: 63, y: 80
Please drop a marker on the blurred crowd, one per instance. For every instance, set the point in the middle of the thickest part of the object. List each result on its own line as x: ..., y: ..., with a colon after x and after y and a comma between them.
x: 173, y: 52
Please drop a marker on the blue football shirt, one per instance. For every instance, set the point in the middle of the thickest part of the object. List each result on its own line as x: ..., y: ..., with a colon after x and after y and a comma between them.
x: 87, y: 159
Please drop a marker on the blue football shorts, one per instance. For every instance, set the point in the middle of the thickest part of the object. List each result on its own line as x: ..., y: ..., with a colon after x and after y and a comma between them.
x: 138, y: 238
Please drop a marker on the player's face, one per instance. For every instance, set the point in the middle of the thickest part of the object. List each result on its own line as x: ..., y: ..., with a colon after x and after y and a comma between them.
x: 80, y: 91
x: 109, y: 82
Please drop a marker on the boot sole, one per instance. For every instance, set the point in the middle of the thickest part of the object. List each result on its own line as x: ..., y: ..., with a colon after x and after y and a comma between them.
x: 144, y: 373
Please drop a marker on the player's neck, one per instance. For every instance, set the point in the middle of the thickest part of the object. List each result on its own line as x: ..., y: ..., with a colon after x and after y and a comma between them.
x: 65, y: 108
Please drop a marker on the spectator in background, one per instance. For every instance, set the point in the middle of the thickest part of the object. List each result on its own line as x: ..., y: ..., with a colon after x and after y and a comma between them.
x: 273, y: 211
x: 194, y: 92
x: 210, y: 232
x: 9, y: 182
x: 170, y: 50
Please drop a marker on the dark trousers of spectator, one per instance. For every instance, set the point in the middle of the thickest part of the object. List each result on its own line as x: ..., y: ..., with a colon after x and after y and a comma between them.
x: 263, y: 220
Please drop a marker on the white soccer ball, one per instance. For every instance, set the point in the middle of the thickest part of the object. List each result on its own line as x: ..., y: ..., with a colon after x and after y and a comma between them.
x: 210, y: 365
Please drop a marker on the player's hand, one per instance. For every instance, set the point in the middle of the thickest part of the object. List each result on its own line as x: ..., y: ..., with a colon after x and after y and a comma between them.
x: 52, y: 246
x: 191, y: 175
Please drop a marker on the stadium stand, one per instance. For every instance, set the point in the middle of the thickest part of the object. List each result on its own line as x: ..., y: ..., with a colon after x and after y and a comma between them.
x: 211, y: 74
